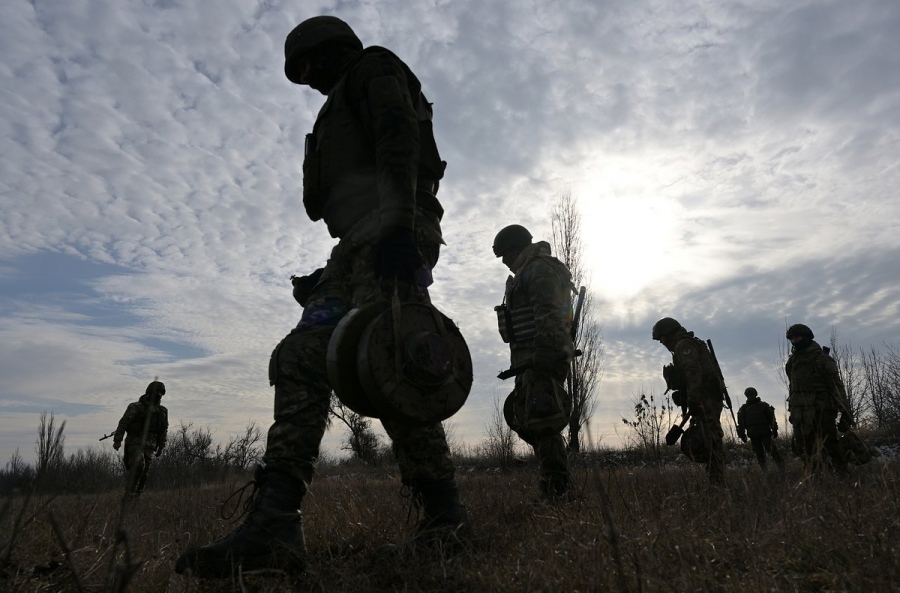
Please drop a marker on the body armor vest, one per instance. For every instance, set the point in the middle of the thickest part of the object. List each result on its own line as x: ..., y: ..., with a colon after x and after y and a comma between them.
x: 514, y: 323
x: 339, y: 168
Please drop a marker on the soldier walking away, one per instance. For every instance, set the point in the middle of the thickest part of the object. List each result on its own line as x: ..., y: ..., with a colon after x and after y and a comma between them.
x: 144, y: 426
x: 535, y: 320
x: 371, y: 173
x: 816, y: 395
x: 699, y: 390
x: 756, y: 419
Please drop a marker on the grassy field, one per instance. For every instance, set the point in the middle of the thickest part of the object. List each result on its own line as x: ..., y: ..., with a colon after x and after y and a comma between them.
x: 625, y: 529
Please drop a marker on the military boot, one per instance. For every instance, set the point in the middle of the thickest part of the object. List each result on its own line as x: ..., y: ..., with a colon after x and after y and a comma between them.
x: 445, y: 521
x: 271, y: 536
x: 554, y: 487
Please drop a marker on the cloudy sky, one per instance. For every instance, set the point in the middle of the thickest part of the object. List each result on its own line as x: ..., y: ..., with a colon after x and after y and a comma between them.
x: 735, y: 165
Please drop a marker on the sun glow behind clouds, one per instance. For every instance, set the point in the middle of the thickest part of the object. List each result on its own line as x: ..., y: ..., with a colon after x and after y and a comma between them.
x: 628, y: 231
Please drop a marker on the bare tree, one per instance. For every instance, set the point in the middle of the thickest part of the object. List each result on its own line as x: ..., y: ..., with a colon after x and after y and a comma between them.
x: 50, y: 443
x: 850, y: 369
x: 361, y: 440
x: 499, y: 444
x: 650, y: 421
x: 587, y: 370
x: 881, y: 372
x: 246, y: 449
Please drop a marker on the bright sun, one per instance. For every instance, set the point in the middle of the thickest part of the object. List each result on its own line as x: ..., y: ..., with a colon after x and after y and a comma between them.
x: 628, y: 233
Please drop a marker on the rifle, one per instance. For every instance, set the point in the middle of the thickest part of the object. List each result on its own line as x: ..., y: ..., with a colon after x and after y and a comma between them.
x: 712, y: 352
x: 579, y: 303
x: 106, y: 436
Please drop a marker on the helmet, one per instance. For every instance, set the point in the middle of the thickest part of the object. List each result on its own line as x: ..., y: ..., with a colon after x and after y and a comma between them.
x: 156, y: 388
x: 514, y: 236
x: 799, y: 330
x: 312, y: 33
x: 664, y: 327
x: 751, y: 392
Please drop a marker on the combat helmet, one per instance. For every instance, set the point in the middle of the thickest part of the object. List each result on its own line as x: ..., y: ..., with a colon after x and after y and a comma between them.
x: 751, y: 393
x: 156, y: 388
x: 514, y: 236
x: 664, y: 327
x: 799, y: 330
x: 312, y: 33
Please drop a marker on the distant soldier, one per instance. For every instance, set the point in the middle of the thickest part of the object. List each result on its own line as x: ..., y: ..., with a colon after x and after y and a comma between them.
x: 695, y: 377
x: 756, y: 419
x: 535, y: 319
x: 816, y: 395
x: 145, y: 414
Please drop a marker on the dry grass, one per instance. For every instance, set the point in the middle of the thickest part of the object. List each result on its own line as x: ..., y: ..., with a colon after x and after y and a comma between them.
x: 670, y: 533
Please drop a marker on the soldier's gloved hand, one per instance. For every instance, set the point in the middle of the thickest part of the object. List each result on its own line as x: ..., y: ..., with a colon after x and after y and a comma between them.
x: 303, y: 286
x: 116, y: 445
x: 846, y: 422
x: 397, y: 255
x: 743, y: 436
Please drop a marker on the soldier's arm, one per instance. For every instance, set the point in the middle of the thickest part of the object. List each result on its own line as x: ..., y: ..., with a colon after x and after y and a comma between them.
x: 127, y: 417
x: 687, y: 357
x: 387, y: 112
x: 550, y: 295
x: 740, y: 418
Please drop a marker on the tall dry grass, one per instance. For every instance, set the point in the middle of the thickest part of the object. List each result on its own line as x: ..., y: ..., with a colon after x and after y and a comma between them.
x: 660, y: 529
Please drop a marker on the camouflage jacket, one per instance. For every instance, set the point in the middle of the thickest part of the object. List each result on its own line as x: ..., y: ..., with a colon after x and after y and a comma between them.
x: 542, y: 289
x: 696, y: 370
x: 814, y: 380
x: 757, y: 418
x: 372, y: 148
x: 132, y: 423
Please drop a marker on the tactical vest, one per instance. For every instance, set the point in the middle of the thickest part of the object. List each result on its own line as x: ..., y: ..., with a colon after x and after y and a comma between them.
x: 339, y: 168
x: 515, y: 324
x: 756, y: 414
x: 808, y: 379
x: 515, y: 316
x: 711, y: 386
x: 155, y: 428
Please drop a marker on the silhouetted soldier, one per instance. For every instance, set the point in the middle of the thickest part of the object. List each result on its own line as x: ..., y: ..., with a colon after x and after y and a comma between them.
x: 756, y: 419
x: 146, y: 413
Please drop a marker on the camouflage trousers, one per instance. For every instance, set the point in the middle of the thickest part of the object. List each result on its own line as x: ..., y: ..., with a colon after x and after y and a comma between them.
x: 708, y: 418
x: 763, y: 447
x: 298, y: 371
x: 815, y: 430
x: 137, y: 464
x: 537, y: 410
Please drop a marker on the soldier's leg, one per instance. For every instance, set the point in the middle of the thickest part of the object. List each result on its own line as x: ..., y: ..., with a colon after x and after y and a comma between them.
x: 827, y: 430
x: 425, y: 466
x: 272, y: 533
x: 759, y: 448
x: 775, y: 453
x: 554, y: 463
x: 146, y: 459
x: 712, y: 426
x: 133, y: 466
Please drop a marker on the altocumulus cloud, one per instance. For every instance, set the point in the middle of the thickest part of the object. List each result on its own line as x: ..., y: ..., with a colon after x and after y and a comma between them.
x: 734, y: 164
